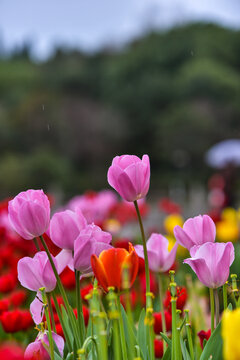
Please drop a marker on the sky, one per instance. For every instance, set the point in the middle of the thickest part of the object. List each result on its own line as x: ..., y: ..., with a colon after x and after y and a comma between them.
x: 92, y: 24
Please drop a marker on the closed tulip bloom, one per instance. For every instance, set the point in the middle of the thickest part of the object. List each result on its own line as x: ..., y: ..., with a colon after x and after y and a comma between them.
x: 108, y: 267
x: 65, y: 227
x: 195, y: 231
x: 29, y: 213
x: 211, y: 262
x: 36, y: 350
x: 130, y: 176
x: 91, y: 240
x: 36, y: 272
x: 160, y: 259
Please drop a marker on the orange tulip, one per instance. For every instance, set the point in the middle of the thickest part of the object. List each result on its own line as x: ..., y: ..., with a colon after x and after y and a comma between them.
x: 109, y: 266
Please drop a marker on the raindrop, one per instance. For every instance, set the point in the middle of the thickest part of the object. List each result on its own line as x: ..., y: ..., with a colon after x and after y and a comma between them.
x: 43, y: 107
x: 191, y: 52
x: 48, y: 127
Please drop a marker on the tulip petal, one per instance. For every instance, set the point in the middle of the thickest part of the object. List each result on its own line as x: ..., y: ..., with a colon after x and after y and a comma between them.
x: 63, y: 259
x: 99, y: 272
x: 201, y: 269
x: 209, y: 229
x: 112, y: 261
x: 170, y: 258
x: 132, y: 261
x: 36, y: 309
x: 182, y: 237
x: 33, y: 218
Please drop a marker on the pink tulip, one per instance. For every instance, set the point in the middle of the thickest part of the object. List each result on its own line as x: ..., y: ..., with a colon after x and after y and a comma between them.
x: 65, y: 227
x: 196, y: 231
x: 36, y: 350
x: 160, y: 259
x: 29, y: 213
x: 211, y: 262
x: 36, y: 272
x: 130, y: 176
x: 94, y: 206
x: 92, y: 240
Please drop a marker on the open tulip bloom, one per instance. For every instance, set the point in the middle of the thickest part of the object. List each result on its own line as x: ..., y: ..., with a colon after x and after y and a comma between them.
x: 195, y: 231
x: 211, y: 262
x: 160, y: 258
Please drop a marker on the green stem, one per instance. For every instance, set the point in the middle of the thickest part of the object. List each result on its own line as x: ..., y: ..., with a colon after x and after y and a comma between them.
x: 114, y: 317
x: 50, y: 338
x: 121, y: 330
x: 174, y: 330
x: 178, y: 329
x: 160, y: 286
x: 225, y: 295
x: 79, y: 306
x: 63, y: 293
x: 149, y: 307
x: 61, y: 321
x: 144, y: 247
x: 212, y: 309
x: 216, y: 306
x: 51, y: 311
x: 36, y: 244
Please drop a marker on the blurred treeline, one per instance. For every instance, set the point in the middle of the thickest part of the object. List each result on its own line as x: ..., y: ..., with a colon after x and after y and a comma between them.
x: 171, y: 95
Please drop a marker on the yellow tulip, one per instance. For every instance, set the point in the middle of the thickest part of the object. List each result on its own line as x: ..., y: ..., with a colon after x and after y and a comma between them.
x: 230, y: 333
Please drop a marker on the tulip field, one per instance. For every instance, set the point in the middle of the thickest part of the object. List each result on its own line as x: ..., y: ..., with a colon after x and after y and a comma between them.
x: 73, y: 287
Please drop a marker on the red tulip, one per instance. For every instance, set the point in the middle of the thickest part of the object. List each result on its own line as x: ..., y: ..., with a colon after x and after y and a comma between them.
x: 18, y: 297
x: 204, y: 335
x: 109, y: 266
x: 158, y: 348
x: 181, y: 298
x: 11, y: 321
x: 7, y: 283
x: 158, y: 322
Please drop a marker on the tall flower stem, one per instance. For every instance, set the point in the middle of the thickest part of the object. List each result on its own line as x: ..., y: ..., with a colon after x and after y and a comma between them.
x: 114, y: 317
x: 144, y: 247
x: 216, y: 306
x: 50, y: 338
x: 121, y: 330
x: 225, y: 295
x: 160, y: 287
x: 63, y: 293
x: 51, y: 310
x: 61, y: 321
x: 36, y: 244
x: 174, y: 352
x: 79, y: 306
x: 212, y: 309
x: 149, y: 307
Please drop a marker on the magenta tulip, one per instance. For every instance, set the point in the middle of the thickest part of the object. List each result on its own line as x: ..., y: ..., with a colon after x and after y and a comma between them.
x: 29, y: 213
x: 65, y: 227
x: 196, y: 231
x: 36, y: 272
x: 36, y: 349
x: 92, y: 240
x: 160, y: 259
x: 211, y: 262
x: 130, y: 176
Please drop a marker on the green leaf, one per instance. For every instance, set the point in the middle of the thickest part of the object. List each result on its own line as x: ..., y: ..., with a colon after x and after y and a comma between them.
x: 185, y: 352
x: 167, y: 355
x: 66, y: 323
x: 168, y: 341
x: 69, y: 356
x: 213, y: 346
x: 57, y: 357
x: 130, y: 332
x: 142, y: 335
